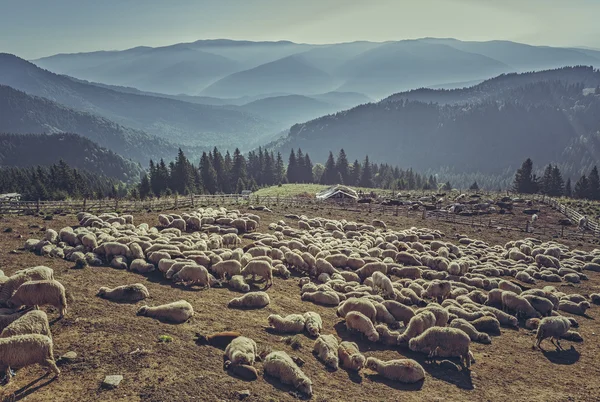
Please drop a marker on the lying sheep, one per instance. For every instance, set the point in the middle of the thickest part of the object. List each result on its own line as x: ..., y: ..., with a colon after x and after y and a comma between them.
x: 417, y: 325
x: 282, y: 367
x: 541, y: 304
x: 470, y: 330
x: 292, y: 323
x: 32, y: 322
x: 38, y: 293
x: 250, y: 300
x: 24, y: 350
x: 313, y: 324
x: 218, y: 339
x: 238, y: 283
x: 241, y: 350
x: 11, y: 284
x: 386, y: 336
x: 176, y: 312
x: 327, y: 298
x: 326, y: 349
x: 402, y: 370
x: 350, y: 357
x: 573, y: 308
x: 399, y: 311
x: 502, y: 318
x: 553, y: 328
x: 443, y: 342
x: 125, y: 293
x: 141, y: 266
x: 356, y: 321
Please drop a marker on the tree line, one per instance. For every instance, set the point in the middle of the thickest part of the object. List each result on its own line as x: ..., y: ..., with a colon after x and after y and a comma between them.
x: 552, y: 183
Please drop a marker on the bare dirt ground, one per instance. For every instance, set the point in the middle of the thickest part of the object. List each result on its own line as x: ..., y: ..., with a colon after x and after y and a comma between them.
x: 110, y: 339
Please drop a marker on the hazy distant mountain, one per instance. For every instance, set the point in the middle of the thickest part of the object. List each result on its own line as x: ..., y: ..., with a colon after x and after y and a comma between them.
x: 289, y: 75
x: 176, y: 121
x: 24, y: 150
x: 21, y: 114
x: 217, y: 68
x: 551, y: 116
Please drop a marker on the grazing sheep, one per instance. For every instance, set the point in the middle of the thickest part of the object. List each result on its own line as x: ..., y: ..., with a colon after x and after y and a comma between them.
x: 241, y: 350
x: 32, y: 322
x: 250, y: 300
x: 350, y: 357
x: 24, y: 350
x: 489, y: 325
x: 219, y: 339
x: 193, y: 275
x: 443, y: 342
x: 136, y: 251
x: 553, y: 328
x: 260, y: 268
x: 227, y: 268
x: 356, y: 321
x: 293, y: 323
x: 141, y: 266
x: 125, y: 293
x: 406, y: 371
x: 177, y: 312
x: 442, y: 316
x: 326, y: 349
x: 438, y: 290
x: 399, y: 311
x: 281, y: 366
x: 120, y: 262
x: 314, y: 323
x: 509, y: 286
x: 502, y: 317
x: 238, y: 283
x: 6, y: 318
x: 513, y: 302
x: 386, y: 336
x: 327, y: 298
x: 541, y: 304
x: 417, y: 325
x: 470, y: 330
x: 38, y: 293
x: 383, y: 283
x: 19, y: 277
x: 362, y: 305
x: 573, y: 308
x: 241, y: 370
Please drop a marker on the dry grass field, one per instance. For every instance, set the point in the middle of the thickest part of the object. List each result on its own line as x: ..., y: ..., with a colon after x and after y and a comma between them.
x: 110, y: 339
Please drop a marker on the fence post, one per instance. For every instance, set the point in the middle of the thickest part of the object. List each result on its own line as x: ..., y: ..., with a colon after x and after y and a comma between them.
x: 192, y: 199
x: 424, y: 214
x: 175, y: 201
x: 116, y: 204
x: 38, y: 206
x: 84, y: 202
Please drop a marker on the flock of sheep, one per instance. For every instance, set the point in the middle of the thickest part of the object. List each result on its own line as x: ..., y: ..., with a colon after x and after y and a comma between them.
x: 404, y: 289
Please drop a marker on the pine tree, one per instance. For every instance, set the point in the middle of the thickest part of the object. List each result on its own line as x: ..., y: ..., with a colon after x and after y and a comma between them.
x: 568, y: 190
x: 474, y: 186
x: 546, y: 181
x: 307, y: 175
x: 292, y: 168
x: 269, y: 169
x: 558, y: 184
x: 218, y: 163
x: 226, y: 174
x: 329, y: 174
x: 343, y: 167
x: 299, y: 166
x: 208, y: 174
x: 355, y: 174
x: 239, y: 176
x: 279, y: 170
x: 594, y: 184
x: 582, y: 187
x: 145, y: 190
x: 524, y: 182
x: 366, y: 177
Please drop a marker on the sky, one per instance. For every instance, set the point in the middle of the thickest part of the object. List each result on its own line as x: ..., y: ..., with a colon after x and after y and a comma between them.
x: 37, y: 28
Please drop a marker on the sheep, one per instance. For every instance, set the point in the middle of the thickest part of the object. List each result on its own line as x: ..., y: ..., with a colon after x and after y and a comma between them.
x: 136, y: 251
x: 125, y: 293
x: 595, y: 298
x: 417, y: 325
x: 24, y: 350
x: 293, y: 323
x: 362, y: 305
x: 386, y: 336
x: 470, y: 330
x: 242, y: 370
x: 442, y: 316
x: 406, y: 371
x: 383, y: 315
x: 382, y: 282
x: 327, y: 298
x: 250, y: 300
x: 359, y: 322
x: 541, y: 304
x: 553, y: 328
x: 370, y: 268
x: 111, y: 249
x: 502, y: 317
x: 443, y: 342
x: 323, y: 266
x: 227, y: 268
x: 514, y: 302
x: 281, y: 366
x: 193, y: 275
x: 241, y: 350
x: 219, y: 339
x: 350, y: 357
x: 260, y: 268
x: 238, y: 283
x: 326, y: 349
x: 10, y: 316
x: 156, y: 256
x: 120, y: 262
x: 37, y: 273
x: 36, y: 293
x: 141, y: 266
x: 32, y: 322
x: 438, y: 290
x: 509, y: 286
x: 313, y: 324
x: 399, y: 311
x: 177, y: 312
x: 573, y: 308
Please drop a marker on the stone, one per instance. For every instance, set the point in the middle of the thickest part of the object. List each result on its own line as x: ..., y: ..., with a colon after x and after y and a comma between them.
x: 243, y: 394
x: 69, y: 356
x: 112, y: 381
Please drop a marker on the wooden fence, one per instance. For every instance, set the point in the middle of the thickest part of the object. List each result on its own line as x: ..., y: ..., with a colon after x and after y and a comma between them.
x: 570, y: 213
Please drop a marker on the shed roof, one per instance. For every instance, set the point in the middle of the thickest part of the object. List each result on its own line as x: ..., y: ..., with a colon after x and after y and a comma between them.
x: 337, y: 191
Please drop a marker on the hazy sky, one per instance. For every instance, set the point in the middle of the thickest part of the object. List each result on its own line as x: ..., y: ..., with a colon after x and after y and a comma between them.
x: 35, y: 28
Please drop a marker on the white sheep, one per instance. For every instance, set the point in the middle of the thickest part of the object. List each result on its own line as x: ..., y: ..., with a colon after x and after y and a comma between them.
x: 32, y: 322
x: 250, y: 300
x: 356, y: 321
x: 260, y: 268
x: 125, y: 293
x: 314, y: 323
x: 38, y: 293
x: 350, y: 357
x: 513, y: 302
x: 402, y: 370
x: 24, y: 350
x: 362, y: 305
x: 383, y: 283
x: 227, y: 268
x: 177, y: 312
x: 292, y: 323
x: 241, y: 350
x: 326, y: 349
x: 443, y: 342
x: 417, y: 325
x: 19, y: 277
x: 438, y: 290
x: 280, y: 365
x: 238, y: 283
x: 327, y: 298
x: 470, y: 330
x: 573, y: 308
x: 553, y: 328
x: 141, y: 266
x: 400, y: 312
x: 193, y: 275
